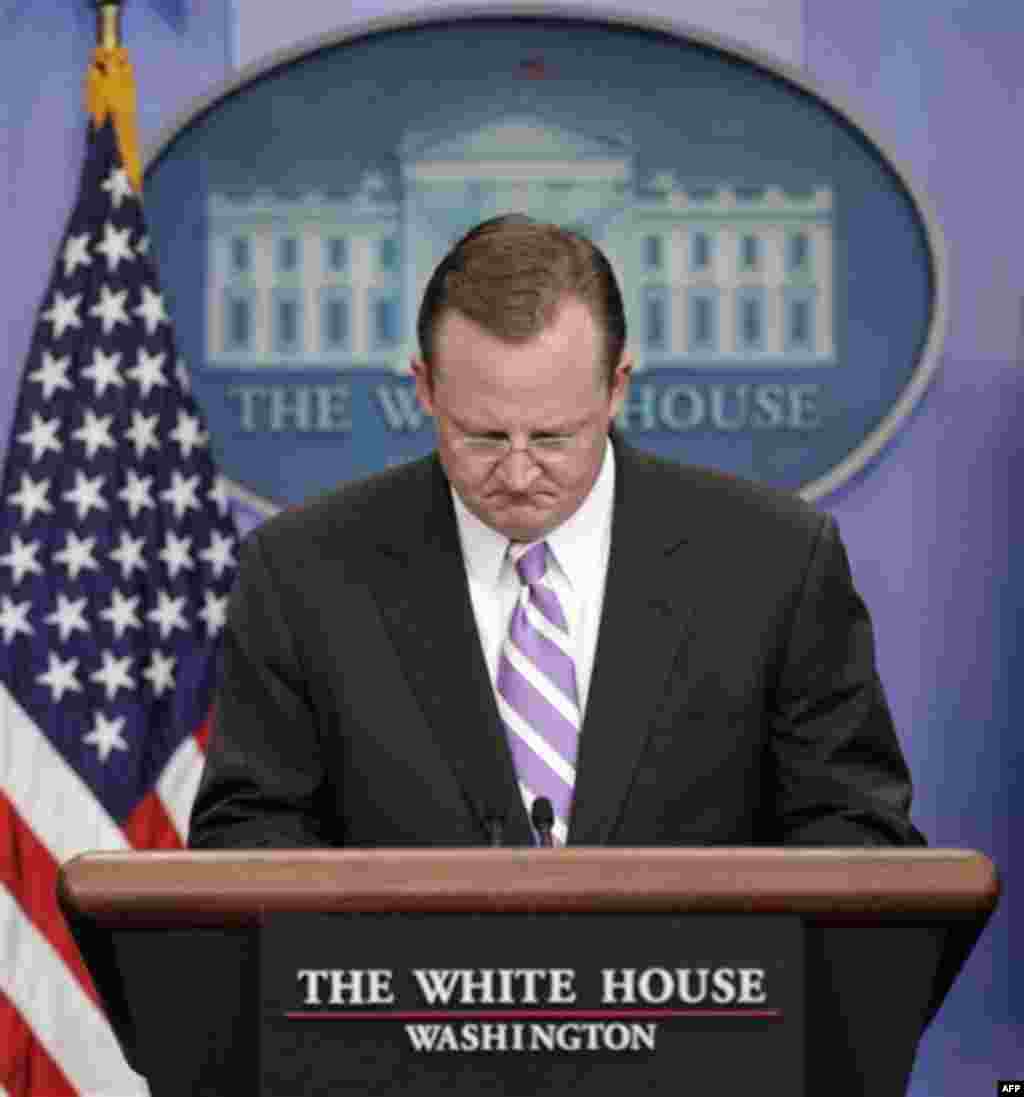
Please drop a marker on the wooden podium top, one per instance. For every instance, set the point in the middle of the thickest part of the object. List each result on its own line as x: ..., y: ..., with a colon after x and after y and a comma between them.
x: 825, y: 886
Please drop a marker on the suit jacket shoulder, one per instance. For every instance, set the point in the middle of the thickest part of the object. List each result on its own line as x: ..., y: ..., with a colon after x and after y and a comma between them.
x: 361, y: 514
x: 712, y: 510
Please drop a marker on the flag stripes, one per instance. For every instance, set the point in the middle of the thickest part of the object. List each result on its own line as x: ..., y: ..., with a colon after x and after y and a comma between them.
x: 30, y: 876
x: 177, y: 784
x: 64, y: 814
x: 93, y: 1062
x: 151, y: 826
x: 25, y: 1064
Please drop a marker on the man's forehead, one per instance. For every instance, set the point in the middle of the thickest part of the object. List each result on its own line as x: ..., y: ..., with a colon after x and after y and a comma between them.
x: 570, y: 303
x: 463, y: 342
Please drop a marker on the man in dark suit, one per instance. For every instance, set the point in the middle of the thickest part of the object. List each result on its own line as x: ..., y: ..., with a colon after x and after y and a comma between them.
x: 688, y: 662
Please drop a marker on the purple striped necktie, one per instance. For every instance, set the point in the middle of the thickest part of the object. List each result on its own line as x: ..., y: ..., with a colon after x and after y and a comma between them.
x: 537, y: 695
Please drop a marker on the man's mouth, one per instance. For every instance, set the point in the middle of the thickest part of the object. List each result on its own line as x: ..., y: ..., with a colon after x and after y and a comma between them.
x: 504, y: 500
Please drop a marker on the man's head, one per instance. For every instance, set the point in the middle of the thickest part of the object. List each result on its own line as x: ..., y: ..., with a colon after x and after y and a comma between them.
x: 510, y: 274
x: 522, y: 334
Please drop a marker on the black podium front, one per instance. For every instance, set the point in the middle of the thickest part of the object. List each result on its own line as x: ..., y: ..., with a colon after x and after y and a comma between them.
x: 525, y: 972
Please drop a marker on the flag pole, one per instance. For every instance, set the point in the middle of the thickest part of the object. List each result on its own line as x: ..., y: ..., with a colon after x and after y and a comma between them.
x: 108, y: 23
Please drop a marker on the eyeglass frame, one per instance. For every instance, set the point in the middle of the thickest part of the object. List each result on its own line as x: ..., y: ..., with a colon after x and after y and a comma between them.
x: 497, y: 446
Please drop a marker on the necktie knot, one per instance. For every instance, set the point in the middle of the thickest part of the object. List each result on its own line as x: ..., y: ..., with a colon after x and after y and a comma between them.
x: 531, y: 566
x: 532, y: 563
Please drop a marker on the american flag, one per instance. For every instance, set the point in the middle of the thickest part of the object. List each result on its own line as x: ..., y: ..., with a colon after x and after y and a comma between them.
x: 117, y: 551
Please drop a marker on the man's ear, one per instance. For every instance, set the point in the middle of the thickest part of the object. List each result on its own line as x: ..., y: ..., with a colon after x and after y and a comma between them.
x: 620, y: 383
x: 424, y: 384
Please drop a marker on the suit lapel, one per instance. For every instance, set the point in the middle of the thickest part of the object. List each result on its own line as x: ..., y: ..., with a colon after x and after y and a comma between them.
x: 421, y: 589
x: 644, y: 626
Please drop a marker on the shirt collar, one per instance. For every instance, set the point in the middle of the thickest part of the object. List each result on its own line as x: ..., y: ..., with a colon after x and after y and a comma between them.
x: 572, y: 543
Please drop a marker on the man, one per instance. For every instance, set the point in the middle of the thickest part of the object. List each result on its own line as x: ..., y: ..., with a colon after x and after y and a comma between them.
x: 668, y: 655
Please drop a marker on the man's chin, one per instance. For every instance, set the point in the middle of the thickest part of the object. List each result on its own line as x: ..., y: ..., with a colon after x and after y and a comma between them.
x: 525, y: 535
x: 522, y: 521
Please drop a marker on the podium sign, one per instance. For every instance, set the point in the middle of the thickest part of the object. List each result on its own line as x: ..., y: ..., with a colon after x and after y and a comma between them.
x: 526, y: 971
x: 529, y: 1004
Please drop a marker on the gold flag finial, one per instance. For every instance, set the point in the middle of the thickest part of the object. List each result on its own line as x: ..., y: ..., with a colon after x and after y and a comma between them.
x: 110, y: 88
x: 108, y: 24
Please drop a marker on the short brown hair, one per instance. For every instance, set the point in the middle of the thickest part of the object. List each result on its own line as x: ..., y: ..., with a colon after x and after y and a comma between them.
x: 510, y: 275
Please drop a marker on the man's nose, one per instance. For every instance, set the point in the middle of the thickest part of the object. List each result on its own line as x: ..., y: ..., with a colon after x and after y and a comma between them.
x: 519, y: 470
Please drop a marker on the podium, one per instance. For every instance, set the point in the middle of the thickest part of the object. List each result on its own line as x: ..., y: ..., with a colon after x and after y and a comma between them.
x: 175, y: 942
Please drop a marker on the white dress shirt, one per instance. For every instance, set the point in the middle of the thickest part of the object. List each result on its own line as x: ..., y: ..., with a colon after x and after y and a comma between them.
x: 580, y: 547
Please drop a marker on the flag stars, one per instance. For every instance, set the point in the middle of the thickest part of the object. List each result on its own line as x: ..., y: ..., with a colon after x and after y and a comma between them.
x: 41, y: 436
x: 135, y: 493
x: 118, y: 186
x: 109, y: 309
x: 128, y: 554
x: 21, y: 559
x: 215, y: 612
x: 181, y: 495
x: 76, y: 254
x: 87, y: 615
x: 142, y: 433
x: 106, y: 736
x: 147, y: 372
x: 151, y: 310
x: 121, y: 613
x: 52, y: 374
x: 104, y: 372
x: 14, y: 618
x: 94, y: 433
x: 31, y: 497
x: 187, y: 434
x: 114, y: 246
x: 177, y: 554
x: 86, y: 494
x: 94, y: 635
x: 63, y: 313
x: 76, y: 555
x: 168, y: 614
x: 68, y: 617
x: 218, y: 553
x: 160, y: 672
x: 60, y: 676
x: 113, y: 675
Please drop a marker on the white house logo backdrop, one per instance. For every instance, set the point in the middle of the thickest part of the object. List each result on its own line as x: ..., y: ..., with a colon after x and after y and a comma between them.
x: 783, y: 285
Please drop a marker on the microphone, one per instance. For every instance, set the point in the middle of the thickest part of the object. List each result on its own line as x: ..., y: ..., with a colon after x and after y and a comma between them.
x: 542, y: 815
x: 495, y: 830
x: 493, y: 823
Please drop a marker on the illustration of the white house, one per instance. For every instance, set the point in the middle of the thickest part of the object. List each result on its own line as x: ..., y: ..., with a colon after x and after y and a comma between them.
x: 715, y: 276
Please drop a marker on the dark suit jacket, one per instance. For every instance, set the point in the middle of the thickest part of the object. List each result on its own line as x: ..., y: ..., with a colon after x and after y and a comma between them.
x: 734, y: 698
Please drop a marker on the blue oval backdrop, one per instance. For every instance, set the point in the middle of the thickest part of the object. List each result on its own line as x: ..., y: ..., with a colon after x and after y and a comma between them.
x: 784, y: 285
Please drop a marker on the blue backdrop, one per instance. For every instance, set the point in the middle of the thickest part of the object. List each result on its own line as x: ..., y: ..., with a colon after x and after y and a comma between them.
x: 931, y: 525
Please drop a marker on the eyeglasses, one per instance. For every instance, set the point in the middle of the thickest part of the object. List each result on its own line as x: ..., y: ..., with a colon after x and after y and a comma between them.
x: 496, y: 448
